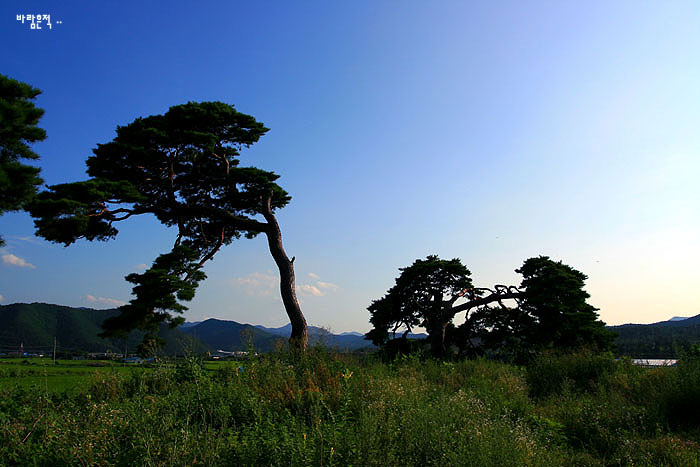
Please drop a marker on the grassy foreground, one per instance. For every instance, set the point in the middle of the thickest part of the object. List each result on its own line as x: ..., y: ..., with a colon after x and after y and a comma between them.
x: 335, y: 409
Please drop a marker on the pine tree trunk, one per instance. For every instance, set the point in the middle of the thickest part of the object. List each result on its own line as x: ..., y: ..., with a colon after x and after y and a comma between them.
x: 436, y: 333
x: 299, y: 340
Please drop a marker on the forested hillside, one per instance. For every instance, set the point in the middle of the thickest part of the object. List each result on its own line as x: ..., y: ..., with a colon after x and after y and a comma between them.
x: 230, y: 335
x: 33, y: 327
x: 666, y: 339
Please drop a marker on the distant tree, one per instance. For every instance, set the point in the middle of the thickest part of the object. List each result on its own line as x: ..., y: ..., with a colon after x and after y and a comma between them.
x: 551, y: 309
x: 552, y: 313
x: 18, y: 128
x: 555, y: 300
x: 182, y: 167
x: 424, y: 295
x: 497, y: 330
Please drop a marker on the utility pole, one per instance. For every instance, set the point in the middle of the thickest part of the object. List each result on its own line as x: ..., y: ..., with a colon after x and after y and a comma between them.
x: 54, y: 350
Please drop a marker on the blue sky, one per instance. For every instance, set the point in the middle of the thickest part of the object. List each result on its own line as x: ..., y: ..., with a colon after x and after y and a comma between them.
x: 488, y: 131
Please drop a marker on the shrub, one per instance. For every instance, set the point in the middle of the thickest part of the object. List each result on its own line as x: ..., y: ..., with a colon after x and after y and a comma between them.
x: 583, y: 371
x: 683, y: 400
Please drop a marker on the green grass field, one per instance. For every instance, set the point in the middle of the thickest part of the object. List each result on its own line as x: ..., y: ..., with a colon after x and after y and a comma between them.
x: 42, y: 374
x: 338, y: 409
x: 71, y: 376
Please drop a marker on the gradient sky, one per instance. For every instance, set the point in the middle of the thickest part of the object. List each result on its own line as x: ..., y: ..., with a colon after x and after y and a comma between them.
x: 488, y: 131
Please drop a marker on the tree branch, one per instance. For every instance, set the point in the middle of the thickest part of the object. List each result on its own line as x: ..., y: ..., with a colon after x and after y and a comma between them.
x: 116, y: 219
x: 171, y: 194
x: 228, y: 165
x: 234, y: 221
x: 209, y: 255
x: 130, y: 212
x: 512, y: 293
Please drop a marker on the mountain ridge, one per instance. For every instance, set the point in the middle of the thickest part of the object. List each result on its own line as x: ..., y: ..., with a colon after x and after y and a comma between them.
x: 663, y: 339
x: 76, y: 329
x: 33, y: 328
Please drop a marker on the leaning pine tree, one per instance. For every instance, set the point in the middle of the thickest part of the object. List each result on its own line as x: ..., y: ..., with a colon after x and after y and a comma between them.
x: 182, y: 167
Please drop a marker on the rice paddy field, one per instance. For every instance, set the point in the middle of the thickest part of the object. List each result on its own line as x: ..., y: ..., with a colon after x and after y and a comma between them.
x: 72, y: 376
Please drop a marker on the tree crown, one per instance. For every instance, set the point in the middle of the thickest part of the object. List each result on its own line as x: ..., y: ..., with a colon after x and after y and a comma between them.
x: 557, y: 302
x: 18, y: 129
x: 420, y: 295
x: 182, y: 167
x: 19, y: 117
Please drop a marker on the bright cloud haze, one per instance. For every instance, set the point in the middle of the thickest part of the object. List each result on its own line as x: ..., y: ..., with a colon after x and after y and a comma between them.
x: 110, y: 302
x: 492, y: 132
x: 13, y: 260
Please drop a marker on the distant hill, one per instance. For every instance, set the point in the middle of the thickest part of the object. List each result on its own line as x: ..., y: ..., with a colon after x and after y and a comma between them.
x: 317, y: 335
x: 344, y: 341
x: 664, y: 339
x: 229, y: 335
x: 35, y: 325
x: 189, y: 324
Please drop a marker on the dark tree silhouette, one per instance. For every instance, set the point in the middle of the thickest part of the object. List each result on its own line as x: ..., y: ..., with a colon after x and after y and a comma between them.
x: 551, y: 308
x: 18, y: 128
x: 425, y: 294
x: 182, y: 167
x: 555, y: 301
